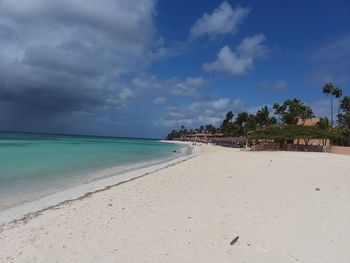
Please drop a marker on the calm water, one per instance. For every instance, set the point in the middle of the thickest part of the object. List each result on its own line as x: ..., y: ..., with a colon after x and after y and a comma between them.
x: 34, y: 165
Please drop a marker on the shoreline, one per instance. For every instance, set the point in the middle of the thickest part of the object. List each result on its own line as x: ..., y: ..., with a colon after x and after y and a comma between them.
x: 112, y: 177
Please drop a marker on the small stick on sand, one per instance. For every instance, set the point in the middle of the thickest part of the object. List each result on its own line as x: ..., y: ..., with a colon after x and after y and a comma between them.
x: 234, y: 240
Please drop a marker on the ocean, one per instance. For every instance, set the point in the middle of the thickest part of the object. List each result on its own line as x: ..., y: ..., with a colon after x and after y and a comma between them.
x: 36, y: 165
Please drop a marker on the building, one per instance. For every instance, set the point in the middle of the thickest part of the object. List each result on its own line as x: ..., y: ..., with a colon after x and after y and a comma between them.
x: 200, y: 137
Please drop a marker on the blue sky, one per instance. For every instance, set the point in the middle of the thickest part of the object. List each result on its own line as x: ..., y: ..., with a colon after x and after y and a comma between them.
x: 140, y: 68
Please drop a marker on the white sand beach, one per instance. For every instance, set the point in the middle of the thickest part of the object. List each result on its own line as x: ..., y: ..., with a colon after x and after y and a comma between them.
x: 284, y: 206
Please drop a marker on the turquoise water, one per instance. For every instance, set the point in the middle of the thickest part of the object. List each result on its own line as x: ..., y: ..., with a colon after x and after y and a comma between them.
x: 34, y: 165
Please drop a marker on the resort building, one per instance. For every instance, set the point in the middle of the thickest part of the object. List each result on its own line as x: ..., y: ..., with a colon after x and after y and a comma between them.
x: 200, y: 137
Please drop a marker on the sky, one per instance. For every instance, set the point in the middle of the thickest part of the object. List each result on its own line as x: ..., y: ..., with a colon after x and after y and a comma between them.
x: 139, y: 68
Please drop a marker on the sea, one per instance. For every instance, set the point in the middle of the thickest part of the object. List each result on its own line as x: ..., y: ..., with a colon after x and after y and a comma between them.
x: 33, y: 166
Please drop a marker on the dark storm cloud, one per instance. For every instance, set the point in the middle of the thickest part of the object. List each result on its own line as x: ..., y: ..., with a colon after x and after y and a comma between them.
x: 64, y: 57
x: 49, y: 89
x: 72, y: 58
x: 50, y: 99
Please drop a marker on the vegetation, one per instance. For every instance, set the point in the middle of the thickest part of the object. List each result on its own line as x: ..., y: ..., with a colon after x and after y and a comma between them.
x: 293, y: 110
x: 285, y: 123
x: 288, y: 133
x: 329, y: 89
x: 344, y: 119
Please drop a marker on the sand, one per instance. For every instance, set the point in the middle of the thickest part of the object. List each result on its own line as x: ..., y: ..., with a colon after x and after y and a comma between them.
x: 284, y: 206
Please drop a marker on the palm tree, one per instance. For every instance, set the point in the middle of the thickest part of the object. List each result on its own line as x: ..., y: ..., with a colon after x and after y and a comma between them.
x: 210, y: 128
x: 240, y: 123
x: 346, y: 121
x: 306, y: 113
x: 241, y: 118
x: 345, y: 116
x: 183, y: 130
x: 251, y: 123
x: 229, y: 116
x: 279, y: 110
x: 292, y: 110
x: 324, y: 123
x: 345, y: 104
x: 263, y: 116
x: 227, y: 126
x: 338, y: 92
x: 328, y: 89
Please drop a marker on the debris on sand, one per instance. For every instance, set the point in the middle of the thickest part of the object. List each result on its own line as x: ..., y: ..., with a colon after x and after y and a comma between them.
x: 234, y: 240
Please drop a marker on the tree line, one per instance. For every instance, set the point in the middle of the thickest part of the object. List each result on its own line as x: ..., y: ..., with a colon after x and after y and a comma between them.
x: 284, y: 117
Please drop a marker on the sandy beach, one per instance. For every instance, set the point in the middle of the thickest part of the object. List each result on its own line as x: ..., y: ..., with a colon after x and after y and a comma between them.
x: 284, y: 206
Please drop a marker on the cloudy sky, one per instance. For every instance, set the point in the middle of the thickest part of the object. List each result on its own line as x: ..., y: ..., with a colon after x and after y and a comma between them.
x: 139, y: 68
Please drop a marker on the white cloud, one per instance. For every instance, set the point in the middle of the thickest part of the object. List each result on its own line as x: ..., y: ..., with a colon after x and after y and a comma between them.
x: 110, y: 16
x: 188, y: 87
x: 146, y: 82
x: 196, y: 82
x: 240, y: 61
x: 121, y: 99
x: 223, y: 20
x: 276, y: 86
x: 159, y: 101
x: 201, y: 112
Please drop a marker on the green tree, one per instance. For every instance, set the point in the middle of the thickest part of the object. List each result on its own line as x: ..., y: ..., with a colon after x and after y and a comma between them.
x: 210, y: 129
x: 251, y: 123
x: 183, y: 130
x: 241, y: 118
x: 263, y: 117
x: 345, y: 104
x: 229, y: 116
x: 293, y: 110
x: 344, y: 118
x: 345, y: 121
x: 337, y: 93
x: 240, y: 123
x: 324, y: 123
x: 289, y: 133
x: 201, y: 129
x: 227, y: 127
x: 174, y: 134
